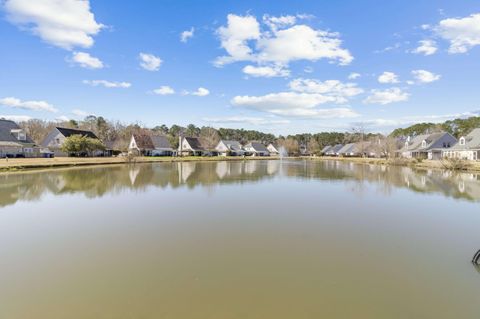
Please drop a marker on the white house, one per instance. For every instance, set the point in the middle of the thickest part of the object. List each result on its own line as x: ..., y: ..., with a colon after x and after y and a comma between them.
x: 273, y: 149
x: 431, y: 146
x: 229, y: 148
x: 193, y: 146
x: 146, y: 145
x: 256, y: 149
x: 468, y: 147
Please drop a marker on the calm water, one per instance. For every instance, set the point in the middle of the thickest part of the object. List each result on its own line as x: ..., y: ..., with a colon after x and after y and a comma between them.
x: 255, y: 239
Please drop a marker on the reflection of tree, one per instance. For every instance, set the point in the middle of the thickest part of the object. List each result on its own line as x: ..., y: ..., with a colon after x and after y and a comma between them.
x: 98, y: 181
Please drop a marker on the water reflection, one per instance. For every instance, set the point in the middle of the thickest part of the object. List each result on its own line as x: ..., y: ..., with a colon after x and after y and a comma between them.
x: 98, y: 181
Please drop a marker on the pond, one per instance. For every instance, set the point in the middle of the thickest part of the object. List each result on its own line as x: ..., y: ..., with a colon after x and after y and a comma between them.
x: 239, y: 239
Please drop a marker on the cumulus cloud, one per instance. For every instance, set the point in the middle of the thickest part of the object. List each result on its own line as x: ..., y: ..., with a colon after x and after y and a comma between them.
x: 354, y: 75
x: 201, y: 92
x: 387, y: 96
x: 423, y: 76
x: 462, y: 33
x: 284, y: 41
x: 150, y: 62
x: 62, y: 118
x: 27, y: 105
x: 16, y: 118
x: 245, y: 120
x: 108, y: 84
x: 66, y: 24
x: 338, y: 91
x: 187, y: 34
x: 266, y: 71
x: 81, y: 113
x: 426, y: 47
x: 388, y: 77
x: 85, y: 60
x: 164, y: 90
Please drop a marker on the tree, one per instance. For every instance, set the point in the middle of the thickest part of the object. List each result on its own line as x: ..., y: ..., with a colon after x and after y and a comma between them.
x: 291, y: 146
x: 313, y: 147
x: 210, y: 136
x: 78, y: 145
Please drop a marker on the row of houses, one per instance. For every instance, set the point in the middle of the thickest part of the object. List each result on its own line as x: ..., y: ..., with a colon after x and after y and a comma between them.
x: 433, y: 146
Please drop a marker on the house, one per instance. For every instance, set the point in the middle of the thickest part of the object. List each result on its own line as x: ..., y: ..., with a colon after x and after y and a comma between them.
x: 274, y: 149
x: 146, y: 145
x: 14, y: 142
x: 303, y: 150
x: 333, y: 151
x: 350, y: 150
x: 192, y: 146
x: 468, y: 147
x: 428, y: 146
x: 256, y: 149
x: 55, y: 139
x: 229, y: 148
x: 325, y: 149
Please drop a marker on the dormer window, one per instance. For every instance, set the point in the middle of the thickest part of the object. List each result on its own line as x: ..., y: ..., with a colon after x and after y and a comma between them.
x: 424, y: 143
x: 19, y: 134
x: 462, y: 140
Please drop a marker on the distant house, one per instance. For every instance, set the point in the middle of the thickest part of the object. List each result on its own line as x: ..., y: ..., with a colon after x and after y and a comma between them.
x: 428, y: 146
x: 146, y: 145
x: 325, y: 149
x: 256, y: 149
x: 55, y: 139
x: 274, y: 149
x: 14, y: 141
x: 303, y: 150
x: 350, y: 150
x: 467, y: 147
x: 192, y: 146
x: 229, y: 148
x: 333, y: 151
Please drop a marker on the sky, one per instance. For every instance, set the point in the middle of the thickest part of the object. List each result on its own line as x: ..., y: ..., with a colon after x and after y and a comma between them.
x: 281, y: 67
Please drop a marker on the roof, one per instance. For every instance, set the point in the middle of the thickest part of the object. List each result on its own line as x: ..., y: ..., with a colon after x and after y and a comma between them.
x: 258, y: 147
x: 195, y: 143
x: 160, y: 141
x: 232, y: 145
x: 415, y: 144
x: 326, y: 148
x: 275, y: 146
x: 72, y: 131
x: 143, y: 141
x: 335, y: 149
x: 6, y: 126
x: 472, y: 141
x: 346, y: 148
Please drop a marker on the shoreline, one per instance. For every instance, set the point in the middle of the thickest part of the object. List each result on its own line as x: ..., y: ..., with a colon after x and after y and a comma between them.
x: 32, y: 164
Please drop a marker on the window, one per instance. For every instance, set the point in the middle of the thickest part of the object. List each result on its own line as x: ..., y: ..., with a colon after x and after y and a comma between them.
x: 462, y: 140
x: 424, y: 144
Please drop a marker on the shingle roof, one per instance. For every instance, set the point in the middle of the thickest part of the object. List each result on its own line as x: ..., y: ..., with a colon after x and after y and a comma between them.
x: 71, y: 131
x: 346, y: 148
x: 143, y: 141
x: 416, y: 143
x: 472, y: 141
x: 6, y: 126
x: 160, y: 141
x: 232, y: 145
x: 195, y: 143
x: 258, y: 147
x: 335, y: 149
x: 326, y: 148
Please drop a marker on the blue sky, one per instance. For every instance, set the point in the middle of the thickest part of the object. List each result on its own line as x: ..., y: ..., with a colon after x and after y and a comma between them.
x: 280, y: 67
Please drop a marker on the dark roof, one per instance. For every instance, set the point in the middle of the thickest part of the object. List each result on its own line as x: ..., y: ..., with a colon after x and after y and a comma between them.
x: 71, y: 131
x: 160, y: 141
x: 6, y: 126
x: 259, y: 147
x: 143, y: 141
x: 195, y: 143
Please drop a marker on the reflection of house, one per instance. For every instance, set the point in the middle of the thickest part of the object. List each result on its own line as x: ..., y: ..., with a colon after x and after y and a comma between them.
x: 57, y: 136
x: 229, y: 148
x: 146, y: 145
x: 193, y: 146
x: 429, y: 146
x: 14, y: 142
x: 273, y: 149
x: 468, y: 147
x: 256, y: 149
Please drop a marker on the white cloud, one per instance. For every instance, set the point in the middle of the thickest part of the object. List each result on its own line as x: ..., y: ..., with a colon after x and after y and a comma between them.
x: 164, y: 90
x: 107, y: 84
x: 81, y: 113
x: 426, y: 47
x: 266, y: 71
x: 245, y: 120
x: 187, y: 34
x: 27, y: 105
x: 293, y: 104
x: 66, y: 24
x: 354, y: 75
x: 201, y: 92
x: 338, y: 91
x: 308, y: 69
x: 423, y: 76
x: 387, y: 96
x: 150, y: 62
x: 16, y: 118
x: 388, y: 77
x: 282, y: 43
x: 62, y: 118
x: 85, y: 60
x: 463, y: 33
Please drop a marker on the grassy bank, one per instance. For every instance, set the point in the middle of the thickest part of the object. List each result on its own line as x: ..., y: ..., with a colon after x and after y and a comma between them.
x: 13, y: 164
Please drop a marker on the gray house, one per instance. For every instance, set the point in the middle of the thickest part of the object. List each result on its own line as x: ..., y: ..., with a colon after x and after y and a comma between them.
x: 325, y: 149
x: 229, y: 148
x: 146, y: 145
x: 14, y: 141
x: 428, y: 146
x: 333, y: 151
x: 468, y: 147
x: 55, y: 139
x: 350, y: 150
x: 256, y: 149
